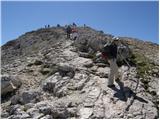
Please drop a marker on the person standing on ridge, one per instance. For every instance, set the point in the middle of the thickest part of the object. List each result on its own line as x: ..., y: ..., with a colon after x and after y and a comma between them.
x: 74, y: 33
x: 74, y: 24
x: 69, y: 31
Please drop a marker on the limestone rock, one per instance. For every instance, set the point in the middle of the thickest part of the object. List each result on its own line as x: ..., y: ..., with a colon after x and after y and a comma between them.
x: 31, y: 96
x: 55, y: 77
x: 9, y: 84
x: 56, y: 85
x: 86, y: 112
x: 66, y: 70
x: 103, y: 72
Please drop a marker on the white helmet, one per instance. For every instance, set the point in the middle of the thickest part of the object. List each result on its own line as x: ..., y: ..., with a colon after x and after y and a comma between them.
x: 115, y: 38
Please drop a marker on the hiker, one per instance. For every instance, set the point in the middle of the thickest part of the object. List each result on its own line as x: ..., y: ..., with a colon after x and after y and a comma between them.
x: 109, y: 52
x: 58, y: 25
x: 74, y: 24
x: 74, y: 34
x: 69, y: 31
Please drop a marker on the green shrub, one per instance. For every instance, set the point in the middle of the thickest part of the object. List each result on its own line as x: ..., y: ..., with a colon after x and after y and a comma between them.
x: 48, y: 70
x: 143, y: 66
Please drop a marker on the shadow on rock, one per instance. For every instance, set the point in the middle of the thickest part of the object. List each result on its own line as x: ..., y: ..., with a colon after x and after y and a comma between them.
x: 125, y: 92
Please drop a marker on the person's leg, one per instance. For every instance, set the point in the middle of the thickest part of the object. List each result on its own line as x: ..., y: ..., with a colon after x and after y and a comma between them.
x: 67, y: 35
x: 115, y: 67
x: 111, y: 75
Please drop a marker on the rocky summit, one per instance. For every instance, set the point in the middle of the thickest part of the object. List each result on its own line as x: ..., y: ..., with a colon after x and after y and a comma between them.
x: 45, y: 75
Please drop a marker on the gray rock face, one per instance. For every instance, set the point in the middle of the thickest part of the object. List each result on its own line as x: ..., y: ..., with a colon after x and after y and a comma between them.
x: 49, y: 83
x: 56, y: 85
x: 4, y: 115
x: 47, y: 117
x: 79, y: 81
x: 59, y: 111
x: 9, y: 84
x: 67, y: 79
x: 30, y: 96
x: 51, y: 109
x: 103, y: 72
x: 91, y: 40
x: 92, y: 97
x: 86, y: 112
x: 34, y: 113
x: 16, y: 112
x: 84, y: 54
x: 66, y: 70
x: 15, y: 99
x: 98, y: 110
x: 23, y: 116
x: 72, y: 112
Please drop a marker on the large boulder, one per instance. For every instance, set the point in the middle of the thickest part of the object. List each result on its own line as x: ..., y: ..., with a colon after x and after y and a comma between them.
x: 27, y: 96
x: 9, y: 84
x: 17, y: 112
x: 86, y: 112
x: 34, y: 113
x: 103, y: 72
x: 78, y: 82
x: 82, y: 63
x: 66, y: 70
x: 56, y: 85
x: 57, y: 109
x: 31, y: 96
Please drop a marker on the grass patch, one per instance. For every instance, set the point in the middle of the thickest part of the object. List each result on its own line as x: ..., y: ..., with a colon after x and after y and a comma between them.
x: 144, y: 66
x: 49, y: 70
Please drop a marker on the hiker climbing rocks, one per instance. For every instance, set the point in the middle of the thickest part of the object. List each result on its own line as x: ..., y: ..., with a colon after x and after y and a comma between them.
x: 74, y: 34
x: 68, y: 30
x: 109, y: 52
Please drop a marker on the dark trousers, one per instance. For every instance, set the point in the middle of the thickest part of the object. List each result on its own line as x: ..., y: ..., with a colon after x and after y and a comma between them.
x: 68, y: 35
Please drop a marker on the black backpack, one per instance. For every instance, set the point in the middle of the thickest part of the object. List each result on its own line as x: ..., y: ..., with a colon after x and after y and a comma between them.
x: 122, y: 52
x: 69, y: 29
x: 110, y: 50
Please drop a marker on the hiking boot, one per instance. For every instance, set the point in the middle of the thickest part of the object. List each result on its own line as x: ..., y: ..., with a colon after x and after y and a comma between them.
x: 111, y: 86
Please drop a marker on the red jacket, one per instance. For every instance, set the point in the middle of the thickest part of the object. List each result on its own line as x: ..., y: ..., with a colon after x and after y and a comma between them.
x: 74, y: 30
x: 104, y: 55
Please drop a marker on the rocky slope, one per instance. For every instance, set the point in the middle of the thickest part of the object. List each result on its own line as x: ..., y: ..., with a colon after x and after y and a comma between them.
x: 44, y: 75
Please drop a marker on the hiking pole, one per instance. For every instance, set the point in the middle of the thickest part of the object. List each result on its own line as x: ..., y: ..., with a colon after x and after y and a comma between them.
x: 125, y: 60
x: 133, y: 97
x: 130, y: 71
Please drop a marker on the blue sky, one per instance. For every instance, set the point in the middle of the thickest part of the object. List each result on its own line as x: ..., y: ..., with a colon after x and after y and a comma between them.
x: 133, y: 19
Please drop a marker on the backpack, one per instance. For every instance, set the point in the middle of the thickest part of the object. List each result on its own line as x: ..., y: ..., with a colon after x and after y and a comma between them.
x: 109, y: 50
x: 122, y: 51
x: 69, y: 29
